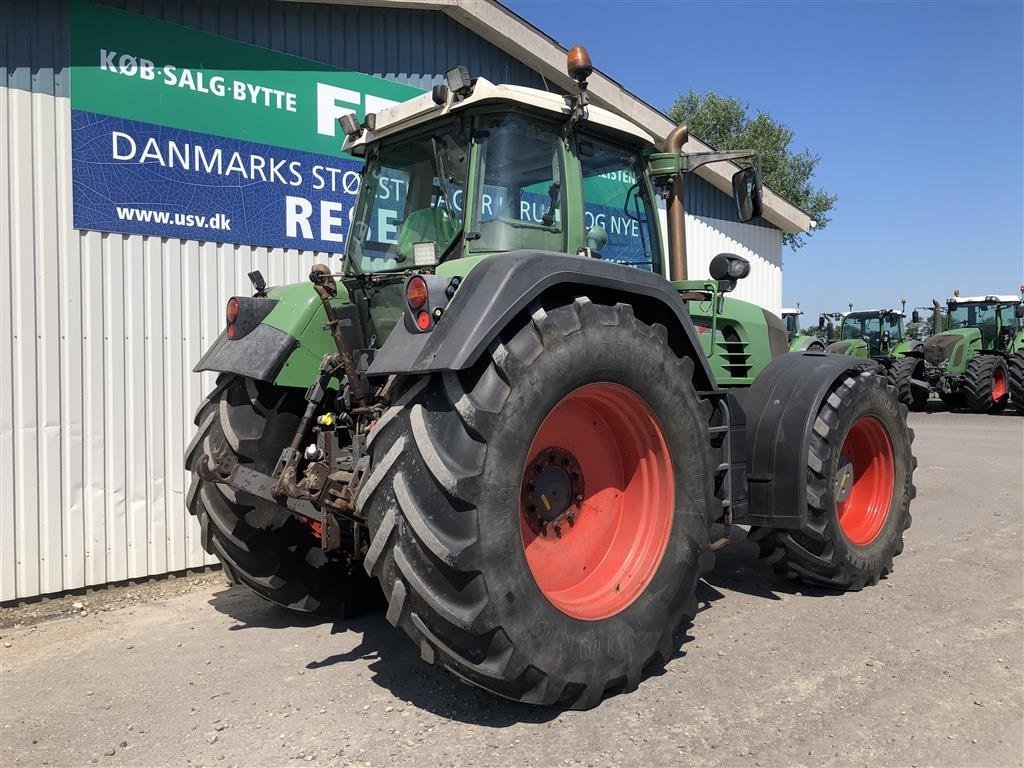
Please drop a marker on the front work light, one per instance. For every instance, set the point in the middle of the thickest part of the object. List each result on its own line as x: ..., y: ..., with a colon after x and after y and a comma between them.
x: 459, y: 81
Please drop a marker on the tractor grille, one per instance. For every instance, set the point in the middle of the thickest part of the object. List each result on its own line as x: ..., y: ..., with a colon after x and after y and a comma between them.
x: 937, y: 349
x: 733, y: 351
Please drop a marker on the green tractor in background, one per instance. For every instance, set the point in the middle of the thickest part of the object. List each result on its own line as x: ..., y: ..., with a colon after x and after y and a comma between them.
x: 978, y: 360
x: 798, y: 341
x: 878, y: 334
x: 505, y: 412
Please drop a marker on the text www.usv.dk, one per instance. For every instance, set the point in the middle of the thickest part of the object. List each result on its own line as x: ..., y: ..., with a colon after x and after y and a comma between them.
x: 217, y: 221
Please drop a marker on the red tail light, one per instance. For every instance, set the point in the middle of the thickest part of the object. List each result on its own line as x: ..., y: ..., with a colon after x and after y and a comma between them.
x: 232, y: 316
x: 423, y: 320
x: 416, y: 294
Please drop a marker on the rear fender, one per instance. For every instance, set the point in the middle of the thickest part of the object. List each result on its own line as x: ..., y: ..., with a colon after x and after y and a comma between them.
x: 780, y: 409
x: 288, y: 343
x: 498, y: 290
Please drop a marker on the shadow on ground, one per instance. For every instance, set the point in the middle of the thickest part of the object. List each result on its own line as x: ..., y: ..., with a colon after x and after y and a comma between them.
x: 396, y: 665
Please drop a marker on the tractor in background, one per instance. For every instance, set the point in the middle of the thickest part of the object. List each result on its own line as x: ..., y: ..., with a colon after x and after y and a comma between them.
x: 878, y: 334
x: 977, y: 361
x: 798, y: 341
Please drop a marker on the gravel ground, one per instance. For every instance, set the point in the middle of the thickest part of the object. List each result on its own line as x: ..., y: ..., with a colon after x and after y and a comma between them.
x: 924, y: 669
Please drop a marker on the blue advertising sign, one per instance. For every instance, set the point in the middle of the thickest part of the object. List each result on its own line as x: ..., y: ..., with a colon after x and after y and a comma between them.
x: 141, y: 178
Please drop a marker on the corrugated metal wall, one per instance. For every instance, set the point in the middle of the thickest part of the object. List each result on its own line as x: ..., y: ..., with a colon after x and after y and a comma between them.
x: 98, y: 332
x: 762, y: 246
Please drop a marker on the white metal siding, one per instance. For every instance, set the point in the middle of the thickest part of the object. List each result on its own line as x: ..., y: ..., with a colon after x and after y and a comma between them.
x: 706, y: 237
x: 98, y: 335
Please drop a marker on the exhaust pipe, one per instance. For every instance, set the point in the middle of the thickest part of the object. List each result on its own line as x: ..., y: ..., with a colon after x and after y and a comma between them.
x: 936, y: 317
x: 674, y: 210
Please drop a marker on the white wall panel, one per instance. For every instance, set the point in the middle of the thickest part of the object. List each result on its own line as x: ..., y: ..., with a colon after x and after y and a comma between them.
x: 98, y: 336
x: 706, y: 237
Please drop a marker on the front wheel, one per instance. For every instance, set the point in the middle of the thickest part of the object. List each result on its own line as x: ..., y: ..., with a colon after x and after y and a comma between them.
x: 539, y: 523
x: 903, y: 372
x: 1016, y: 375
x: 859, y: 487
x: 986, y: 384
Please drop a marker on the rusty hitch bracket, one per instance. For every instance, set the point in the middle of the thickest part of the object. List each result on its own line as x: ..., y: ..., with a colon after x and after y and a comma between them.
x: 250, y: 481
x: 241, y: 478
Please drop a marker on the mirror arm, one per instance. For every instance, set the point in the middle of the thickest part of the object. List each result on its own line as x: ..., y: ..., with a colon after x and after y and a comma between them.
x: 694, y: 160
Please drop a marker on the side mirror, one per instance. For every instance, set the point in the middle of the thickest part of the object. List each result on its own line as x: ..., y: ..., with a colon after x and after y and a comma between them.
x: 821, y: 322
x: 915, y: 316
x: 1018, y: 311
x: 746, y: 191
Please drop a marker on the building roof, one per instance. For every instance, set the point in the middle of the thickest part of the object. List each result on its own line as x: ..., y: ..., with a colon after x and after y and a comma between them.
x: 517, y: 37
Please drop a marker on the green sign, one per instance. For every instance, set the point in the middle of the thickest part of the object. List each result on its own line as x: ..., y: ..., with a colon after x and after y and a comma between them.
x: 127, y: 65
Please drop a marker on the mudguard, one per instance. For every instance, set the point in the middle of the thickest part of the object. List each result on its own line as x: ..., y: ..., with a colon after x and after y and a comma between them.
x: 501, y: 287
x: 802, y: 342
x: 780, y: 408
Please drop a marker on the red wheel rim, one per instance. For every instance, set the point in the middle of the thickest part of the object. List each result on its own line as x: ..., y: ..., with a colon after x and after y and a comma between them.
x: 998, y: 384
x: 598, y: 563
x: 865, y: 481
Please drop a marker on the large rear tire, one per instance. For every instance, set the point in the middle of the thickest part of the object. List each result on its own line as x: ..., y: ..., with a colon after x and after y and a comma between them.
x: 902, y: 372
x: 859, y: 486
x: 585, y: 412
x: 1016, y: 372
x: 986, y: 384
x: 258, y: 544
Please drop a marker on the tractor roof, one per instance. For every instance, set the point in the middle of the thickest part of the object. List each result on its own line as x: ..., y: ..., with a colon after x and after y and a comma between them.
x: 791, y: 311
x: 422, y: 109
x: 873, y: 312
x: 1004, y: 299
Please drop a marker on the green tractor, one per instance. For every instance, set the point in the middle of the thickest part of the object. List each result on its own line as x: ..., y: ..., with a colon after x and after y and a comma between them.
x: 798, y: 341
x: 978, y: 360
x: 503, y: 410
x: 878, y: 334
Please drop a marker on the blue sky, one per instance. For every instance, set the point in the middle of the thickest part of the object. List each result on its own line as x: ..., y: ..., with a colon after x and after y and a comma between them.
x: 916, y: 110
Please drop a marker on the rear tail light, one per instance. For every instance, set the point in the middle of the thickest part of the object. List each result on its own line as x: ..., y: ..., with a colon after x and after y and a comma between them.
x: 423, y: 320
x: 416, y: 295
x: 232, y: 316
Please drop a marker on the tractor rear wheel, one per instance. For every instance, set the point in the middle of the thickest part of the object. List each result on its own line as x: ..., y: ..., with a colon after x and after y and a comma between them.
x: 859, y: 487
x: 539, y: 522
x: 902, y: 373
x: 258, y: 544
x: 986, y: 384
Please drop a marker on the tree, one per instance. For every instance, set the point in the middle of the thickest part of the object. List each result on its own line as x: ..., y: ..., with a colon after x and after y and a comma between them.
x: 725, y: 123
x: 920, y: 330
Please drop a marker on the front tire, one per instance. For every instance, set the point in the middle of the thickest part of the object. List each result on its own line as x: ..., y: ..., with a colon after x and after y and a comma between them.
x: 902, y: 373
x: 460, y: 554
x: 985, y: 384
x: 1016, y: 372
x: 859, y: 487
x: 258, y: 544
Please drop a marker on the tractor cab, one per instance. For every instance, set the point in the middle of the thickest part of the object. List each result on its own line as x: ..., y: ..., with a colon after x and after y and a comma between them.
x: 474, y: 170
x: 869, y: 333
x: 996, y: 318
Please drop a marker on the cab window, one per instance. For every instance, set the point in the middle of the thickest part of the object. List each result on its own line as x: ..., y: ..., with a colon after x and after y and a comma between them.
x: 521, y: 202
x: 619, y: 220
